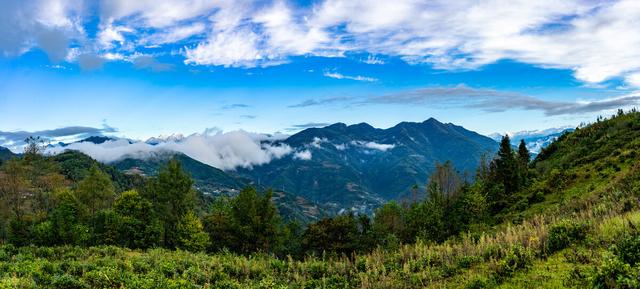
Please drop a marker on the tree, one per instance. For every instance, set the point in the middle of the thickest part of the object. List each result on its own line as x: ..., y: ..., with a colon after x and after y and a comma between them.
x: 173, y: 196
x: 14, y: 188
x: 138, y: 225
x: 523, y: 158
x: 95, y: 191
x: 64, y: 220
x: 256, y: 220
x: 523, y: 153
x: 389, y: 224
x: 425, y: 220
x: 338, y: 235
x: 505, y: 177
x: 445, y: 181
x: 190, y: 233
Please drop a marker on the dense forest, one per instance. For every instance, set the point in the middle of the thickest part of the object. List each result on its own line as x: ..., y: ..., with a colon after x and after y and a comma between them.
x: 567, y: 218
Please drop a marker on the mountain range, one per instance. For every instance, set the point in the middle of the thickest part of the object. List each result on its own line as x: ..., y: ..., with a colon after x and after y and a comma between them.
x: 331, y: 169
x: 358, y: 167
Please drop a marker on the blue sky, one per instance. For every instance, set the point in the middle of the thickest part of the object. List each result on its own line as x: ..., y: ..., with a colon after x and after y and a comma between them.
x: 144, y: 68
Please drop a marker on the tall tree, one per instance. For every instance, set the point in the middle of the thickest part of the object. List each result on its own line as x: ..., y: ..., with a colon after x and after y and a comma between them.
x: 257, y: 220
x: 523, y: 153
x: 139, y: 227
x: 446, y: 181
x: 173, y: 196
x: 96, y: 190
x: 190, y: 233
x: 505, y: 176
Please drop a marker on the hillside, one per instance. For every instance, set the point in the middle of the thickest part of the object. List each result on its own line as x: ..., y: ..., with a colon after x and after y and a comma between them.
x: 576, y: 225
x: 359, y: 167
x: 5, y: 154
x: 212, y: 182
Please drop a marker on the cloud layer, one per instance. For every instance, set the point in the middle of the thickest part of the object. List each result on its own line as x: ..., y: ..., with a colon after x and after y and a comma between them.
x: 15, y: 139
x: 226, y: 151
x: 597, y: 40
x: 485, y: 99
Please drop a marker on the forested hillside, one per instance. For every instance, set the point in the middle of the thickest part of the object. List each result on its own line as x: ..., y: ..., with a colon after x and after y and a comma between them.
x: 568, y: 218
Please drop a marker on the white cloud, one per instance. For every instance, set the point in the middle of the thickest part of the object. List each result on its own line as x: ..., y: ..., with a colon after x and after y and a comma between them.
x: 226, y: 151
x: 373, y: 145
x: 596, y: 40
x: 304, y: 155
x: 356, y: 78
x: 175, y: 34
x: 317, y: 142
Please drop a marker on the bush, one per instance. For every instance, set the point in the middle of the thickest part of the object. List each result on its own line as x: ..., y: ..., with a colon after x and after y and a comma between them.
x: 563, y: 234
x: 614, y: 273
x: 480, y: 283
x: 628, y: 249
x: 515, y: 259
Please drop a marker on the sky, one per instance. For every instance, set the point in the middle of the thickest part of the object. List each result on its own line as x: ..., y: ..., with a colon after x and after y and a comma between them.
x: 144, y: 68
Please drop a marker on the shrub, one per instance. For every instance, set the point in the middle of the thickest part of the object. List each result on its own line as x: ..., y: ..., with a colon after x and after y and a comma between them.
x: 516, y: 258
x: 628, y: 249
x: 563, y: 234
x: 614, y: 273
x: 480, y: 283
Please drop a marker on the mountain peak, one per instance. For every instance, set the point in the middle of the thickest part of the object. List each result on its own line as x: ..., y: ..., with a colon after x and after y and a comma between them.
x: 432, y: 120
x: 337, y: 125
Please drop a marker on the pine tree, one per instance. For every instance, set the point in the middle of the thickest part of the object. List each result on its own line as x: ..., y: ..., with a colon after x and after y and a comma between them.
x: 523, y: 154
x: 505, y: 177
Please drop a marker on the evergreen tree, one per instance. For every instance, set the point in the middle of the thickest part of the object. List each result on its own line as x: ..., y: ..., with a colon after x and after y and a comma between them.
x: 257, y: 221
x: 190, y: 233
x: 173, y: 196
x: 523, y: 162
x: 505, y: 176
x: 523, y: 154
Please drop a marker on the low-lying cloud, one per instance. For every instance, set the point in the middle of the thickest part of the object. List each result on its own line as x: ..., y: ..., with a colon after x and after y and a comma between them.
x: 226, y: 151
x: 373, y: 145
x: 15, y: 139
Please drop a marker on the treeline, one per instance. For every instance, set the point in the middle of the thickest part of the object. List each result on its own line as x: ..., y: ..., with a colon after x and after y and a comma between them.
x: 40, y: 204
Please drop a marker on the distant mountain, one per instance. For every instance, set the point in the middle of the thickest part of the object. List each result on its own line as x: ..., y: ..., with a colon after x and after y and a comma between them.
x: 212, y: 182
x: 535, y: 140
x: 163, y: 139
x: 335, y: 168
x: 5, y: 154
x: 359, y: 167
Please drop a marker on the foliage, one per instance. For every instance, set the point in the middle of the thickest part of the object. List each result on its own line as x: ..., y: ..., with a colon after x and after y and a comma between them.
x: 564, y: 234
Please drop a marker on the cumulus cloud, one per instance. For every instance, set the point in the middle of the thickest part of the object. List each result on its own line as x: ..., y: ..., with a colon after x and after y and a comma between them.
x: 90, y: 61
x: 304, y: 155
x: 226, y: 151
x: 597, y: 40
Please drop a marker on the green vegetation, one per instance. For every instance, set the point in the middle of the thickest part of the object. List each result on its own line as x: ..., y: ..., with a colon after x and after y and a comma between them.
x: 568, y: 219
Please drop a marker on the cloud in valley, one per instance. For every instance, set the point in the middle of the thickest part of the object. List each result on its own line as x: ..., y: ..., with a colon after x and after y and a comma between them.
x: 226, y: 151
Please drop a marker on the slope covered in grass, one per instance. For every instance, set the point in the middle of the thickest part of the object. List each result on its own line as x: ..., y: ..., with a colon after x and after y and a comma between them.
x: 575, y: 225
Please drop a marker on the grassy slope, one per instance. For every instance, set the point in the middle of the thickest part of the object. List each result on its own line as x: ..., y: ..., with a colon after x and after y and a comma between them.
x: 589, y: 177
